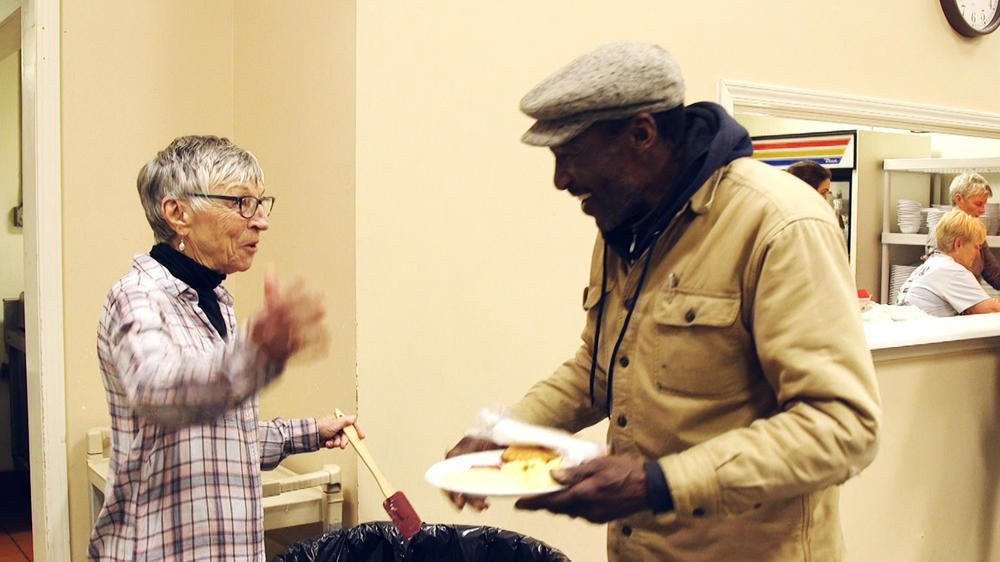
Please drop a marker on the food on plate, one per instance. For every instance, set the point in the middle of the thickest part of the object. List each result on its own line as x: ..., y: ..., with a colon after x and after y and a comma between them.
x: 517, y: 470
x: 527, y: 452
x: 530, y: 465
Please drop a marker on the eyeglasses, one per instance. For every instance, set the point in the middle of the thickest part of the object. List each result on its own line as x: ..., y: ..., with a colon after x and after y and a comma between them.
x: 248, y: 203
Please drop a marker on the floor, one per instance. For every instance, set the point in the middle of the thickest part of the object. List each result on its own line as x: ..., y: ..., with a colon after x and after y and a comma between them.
x: 15, y: 518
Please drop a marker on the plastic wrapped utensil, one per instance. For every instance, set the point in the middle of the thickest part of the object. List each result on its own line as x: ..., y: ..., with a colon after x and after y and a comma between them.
x: 502, y: 429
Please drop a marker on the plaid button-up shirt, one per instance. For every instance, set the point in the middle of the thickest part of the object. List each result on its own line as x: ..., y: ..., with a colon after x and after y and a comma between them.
x: 187, y: 448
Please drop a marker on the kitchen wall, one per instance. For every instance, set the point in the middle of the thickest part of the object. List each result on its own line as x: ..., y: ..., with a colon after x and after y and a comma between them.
x: 278, y: 82
x: 11, y: 244
x: 470, y: 264
x: 134, y: 76
x: 467, y: 266
x: 294, y: 107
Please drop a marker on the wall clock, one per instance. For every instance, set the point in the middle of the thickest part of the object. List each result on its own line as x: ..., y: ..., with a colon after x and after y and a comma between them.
x: 972, y: 18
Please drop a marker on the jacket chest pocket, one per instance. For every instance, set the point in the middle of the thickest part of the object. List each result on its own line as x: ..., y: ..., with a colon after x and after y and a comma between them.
x: 699, y: 347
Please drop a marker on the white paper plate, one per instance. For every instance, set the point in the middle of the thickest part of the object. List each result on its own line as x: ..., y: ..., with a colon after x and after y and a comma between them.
x: 459, y: 474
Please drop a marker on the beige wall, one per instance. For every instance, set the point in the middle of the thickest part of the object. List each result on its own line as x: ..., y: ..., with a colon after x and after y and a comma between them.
x: 275, y: 80
x: 11, y: 241
x: 469, y: 266
x: 132, y: 79
x: 294, y: 107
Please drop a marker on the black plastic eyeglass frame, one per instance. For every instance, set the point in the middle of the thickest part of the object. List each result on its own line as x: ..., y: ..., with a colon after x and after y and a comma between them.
x: 244, y: 202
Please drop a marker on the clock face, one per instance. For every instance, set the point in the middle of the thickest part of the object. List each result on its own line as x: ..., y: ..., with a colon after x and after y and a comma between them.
x: 979, y: 14
x: 972, y: 18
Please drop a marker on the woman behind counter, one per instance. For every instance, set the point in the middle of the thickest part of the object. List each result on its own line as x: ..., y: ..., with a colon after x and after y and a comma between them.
x: 970, y: 192
x: 814, y: 174
x: 944, y: 284
x: 187, y: 449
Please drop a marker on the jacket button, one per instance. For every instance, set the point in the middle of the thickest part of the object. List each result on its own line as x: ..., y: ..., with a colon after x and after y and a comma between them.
x: 623, y: 361
x: 690, y: 316
x: 627, y: 531
x: 698, y: 512
x: 756, y: 506
x: 622, y: 421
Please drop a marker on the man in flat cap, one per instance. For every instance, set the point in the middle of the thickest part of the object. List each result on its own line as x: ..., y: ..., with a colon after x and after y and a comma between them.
x: 723, y: 341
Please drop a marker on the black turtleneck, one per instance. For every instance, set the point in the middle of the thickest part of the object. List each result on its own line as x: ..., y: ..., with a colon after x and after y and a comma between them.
x: 200, y: 278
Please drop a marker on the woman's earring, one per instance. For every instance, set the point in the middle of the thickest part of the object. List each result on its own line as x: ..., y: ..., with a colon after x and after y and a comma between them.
x: 180, y: 247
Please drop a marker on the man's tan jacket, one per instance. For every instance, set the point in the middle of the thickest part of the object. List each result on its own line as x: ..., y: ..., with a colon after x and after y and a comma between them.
x: 744, y: 372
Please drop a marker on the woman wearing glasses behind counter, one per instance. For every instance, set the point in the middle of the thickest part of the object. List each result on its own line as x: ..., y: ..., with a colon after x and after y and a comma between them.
x: 187, y: 449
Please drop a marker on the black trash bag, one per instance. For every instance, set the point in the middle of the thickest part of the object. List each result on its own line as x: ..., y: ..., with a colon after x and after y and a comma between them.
x: 379, y: 541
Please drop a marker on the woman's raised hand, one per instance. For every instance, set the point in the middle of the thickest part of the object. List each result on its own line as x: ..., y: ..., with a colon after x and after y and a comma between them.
x: 291, y: 321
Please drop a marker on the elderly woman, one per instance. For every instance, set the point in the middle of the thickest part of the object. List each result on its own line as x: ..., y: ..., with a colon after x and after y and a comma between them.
x: 187, y: 448
x: 969, y: 192
x: 814, y: 174
x: 944, y: 284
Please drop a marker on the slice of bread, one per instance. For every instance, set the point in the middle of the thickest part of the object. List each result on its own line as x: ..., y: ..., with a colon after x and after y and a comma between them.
x: 528, y: 452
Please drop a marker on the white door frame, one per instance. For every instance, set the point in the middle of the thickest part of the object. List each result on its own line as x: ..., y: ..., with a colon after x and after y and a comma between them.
x: 797, y: 103
x: 41, y: 164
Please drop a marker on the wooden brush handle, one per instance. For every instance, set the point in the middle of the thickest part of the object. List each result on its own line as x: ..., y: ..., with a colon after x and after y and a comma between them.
x: 366, y: 457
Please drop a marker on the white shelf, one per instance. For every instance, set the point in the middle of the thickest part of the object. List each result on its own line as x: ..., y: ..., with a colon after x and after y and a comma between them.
x: 942, y: 165
x: 901, y: 239
x: 904, y: 239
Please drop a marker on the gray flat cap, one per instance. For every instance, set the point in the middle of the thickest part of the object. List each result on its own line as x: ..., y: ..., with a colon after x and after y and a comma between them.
x: 611, y: 82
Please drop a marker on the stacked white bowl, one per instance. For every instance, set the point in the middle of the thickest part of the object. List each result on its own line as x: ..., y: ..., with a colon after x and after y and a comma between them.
x: 897, y: 276
x: 908, y: 215
x: 934, y: 214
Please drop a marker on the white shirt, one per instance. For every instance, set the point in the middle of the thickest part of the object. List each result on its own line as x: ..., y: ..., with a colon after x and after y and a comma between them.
x: 941, y: 287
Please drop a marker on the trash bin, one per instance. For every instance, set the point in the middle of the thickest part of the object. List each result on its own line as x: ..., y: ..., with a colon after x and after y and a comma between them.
x: 378, y: 541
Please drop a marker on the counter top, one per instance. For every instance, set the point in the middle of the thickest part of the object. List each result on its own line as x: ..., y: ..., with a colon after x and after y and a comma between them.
x: 932, y: 335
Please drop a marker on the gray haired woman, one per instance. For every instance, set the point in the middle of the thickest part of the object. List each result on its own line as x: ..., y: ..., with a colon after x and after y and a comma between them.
x: 181, y: 378
x: 969, y: 192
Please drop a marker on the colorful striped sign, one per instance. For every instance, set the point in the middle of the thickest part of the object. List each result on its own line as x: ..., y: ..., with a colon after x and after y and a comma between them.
x: 830, y: 150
